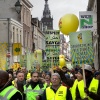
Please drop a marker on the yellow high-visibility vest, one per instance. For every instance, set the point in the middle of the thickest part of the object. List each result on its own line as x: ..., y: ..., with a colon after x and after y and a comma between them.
x: 32, y: 93
x: 73, y: 89
x: 8, y: 92
x: 92, y: 88
x: 59, y: 95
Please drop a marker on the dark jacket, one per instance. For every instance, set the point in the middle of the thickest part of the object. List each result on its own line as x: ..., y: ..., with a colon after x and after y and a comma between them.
x: 20, y: 87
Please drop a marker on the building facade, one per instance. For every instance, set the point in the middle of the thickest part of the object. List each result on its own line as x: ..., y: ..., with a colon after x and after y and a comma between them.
x: 11, y: 32
x: 64, y: 47
x: 38, y: 34
x: 98, y: 29
x: 93, y: 6
x: 21, y: 25
x: 26, y: 21
x: 8, y: 10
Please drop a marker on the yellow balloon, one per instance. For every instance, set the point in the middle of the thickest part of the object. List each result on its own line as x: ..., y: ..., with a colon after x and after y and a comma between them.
x: 61, y: 56
x: 62, y: 62
x: 68, y: 23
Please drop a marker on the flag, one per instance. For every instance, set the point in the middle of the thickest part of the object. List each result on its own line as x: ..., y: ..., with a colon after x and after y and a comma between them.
x: 3, y: 52
x: 17, y: 49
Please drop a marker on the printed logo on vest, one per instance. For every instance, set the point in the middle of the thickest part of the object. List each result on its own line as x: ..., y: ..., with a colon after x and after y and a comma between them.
x: 60, y: 93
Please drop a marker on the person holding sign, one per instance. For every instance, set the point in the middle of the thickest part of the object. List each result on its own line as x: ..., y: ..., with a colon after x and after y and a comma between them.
x: 78, y: 89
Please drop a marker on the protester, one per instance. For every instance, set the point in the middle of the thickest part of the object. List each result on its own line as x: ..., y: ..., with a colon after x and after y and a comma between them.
x: 19, y: 82
x: 43, y: 73
x: 24, y: 70
x: 48, y: 79
x: 97, y: 75
x: 7, y: 90
x: 64, y: 69
x: 10, y: 75
x: 56, y: 91
x: 34, y: 88
x: 14, y: 74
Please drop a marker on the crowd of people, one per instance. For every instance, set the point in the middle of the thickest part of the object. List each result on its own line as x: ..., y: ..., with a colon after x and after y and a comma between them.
x: 58, y: 84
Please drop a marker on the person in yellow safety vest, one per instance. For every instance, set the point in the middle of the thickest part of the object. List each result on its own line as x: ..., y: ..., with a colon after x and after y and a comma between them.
x: 34, y: 88
x: 92, y: 92
x: 7, y: 90
x: 56, y: 91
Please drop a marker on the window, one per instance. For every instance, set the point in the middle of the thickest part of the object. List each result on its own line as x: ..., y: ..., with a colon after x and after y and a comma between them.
x: 24, y: 16
x: 28, y: 39
x: 17, y: 35
x: 13, y: 34
x: 20, y: 37
x: 27, y: 18
x: 25, y: 39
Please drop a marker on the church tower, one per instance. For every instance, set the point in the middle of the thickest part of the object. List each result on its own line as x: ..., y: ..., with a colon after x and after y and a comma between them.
x: 46, y: 19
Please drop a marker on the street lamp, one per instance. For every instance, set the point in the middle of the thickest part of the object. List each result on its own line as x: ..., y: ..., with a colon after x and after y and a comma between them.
x: 18, y: 7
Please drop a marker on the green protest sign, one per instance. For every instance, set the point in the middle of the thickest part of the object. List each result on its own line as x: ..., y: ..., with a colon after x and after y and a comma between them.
x: 86, y: 20
x: 52, y: 48
x: 81, y: 47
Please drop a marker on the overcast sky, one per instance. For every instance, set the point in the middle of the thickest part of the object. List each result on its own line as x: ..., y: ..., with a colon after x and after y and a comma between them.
x: 58, y: 8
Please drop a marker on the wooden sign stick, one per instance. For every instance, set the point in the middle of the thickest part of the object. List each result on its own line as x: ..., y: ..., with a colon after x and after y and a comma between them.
x: 84, y: 75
